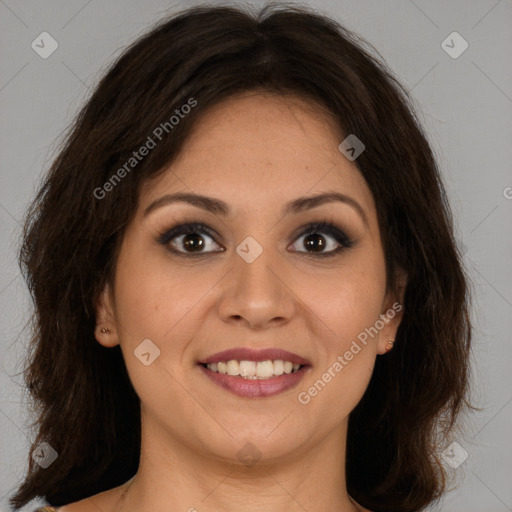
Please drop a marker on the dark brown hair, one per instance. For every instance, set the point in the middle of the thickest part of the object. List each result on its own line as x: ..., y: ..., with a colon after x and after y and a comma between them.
x: 86, y: 407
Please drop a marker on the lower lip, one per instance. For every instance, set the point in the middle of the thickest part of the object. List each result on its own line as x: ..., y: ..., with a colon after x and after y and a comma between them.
x: 256, y: 388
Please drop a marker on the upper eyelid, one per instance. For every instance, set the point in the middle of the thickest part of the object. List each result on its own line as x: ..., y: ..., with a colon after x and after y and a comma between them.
x: 201, y: 226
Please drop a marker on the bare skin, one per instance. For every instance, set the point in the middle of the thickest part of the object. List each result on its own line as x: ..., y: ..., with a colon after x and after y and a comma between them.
x: 255, y: 152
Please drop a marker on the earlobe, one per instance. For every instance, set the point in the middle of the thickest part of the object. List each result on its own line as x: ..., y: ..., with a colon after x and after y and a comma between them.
x: 105, y: 331
x: 392, y: 316
x: 391, y: 319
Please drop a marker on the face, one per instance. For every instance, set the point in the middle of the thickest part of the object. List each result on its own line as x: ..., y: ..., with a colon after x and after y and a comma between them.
x: 255, y: 277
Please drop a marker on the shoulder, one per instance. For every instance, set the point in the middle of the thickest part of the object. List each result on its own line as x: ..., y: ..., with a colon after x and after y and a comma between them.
x: 78, y: 506
x: 72, y: 507
x: 103, y: 501
x: 85, y: 505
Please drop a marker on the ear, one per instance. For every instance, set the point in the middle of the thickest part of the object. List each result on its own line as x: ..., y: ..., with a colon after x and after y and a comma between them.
x: 392, y: 314
x: 106, y: 332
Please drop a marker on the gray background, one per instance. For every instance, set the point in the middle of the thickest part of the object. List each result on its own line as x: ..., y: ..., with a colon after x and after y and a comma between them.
x: 464, y: 103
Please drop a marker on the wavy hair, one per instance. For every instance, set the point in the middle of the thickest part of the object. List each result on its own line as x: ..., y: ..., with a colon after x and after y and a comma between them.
x: 86, y: 407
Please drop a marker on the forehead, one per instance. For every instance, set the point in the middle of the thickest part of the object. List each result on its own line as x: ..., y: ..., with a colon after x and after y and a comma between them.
x: 258, y: 149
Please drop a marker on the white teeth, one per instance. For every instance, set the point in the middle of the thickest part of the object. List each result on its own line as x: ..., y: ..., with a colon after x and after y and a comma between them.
x: 252, y: 369
x: 264, y: 369
x: 247, y: 368
x: 233, y: 368
x: 278, y: 367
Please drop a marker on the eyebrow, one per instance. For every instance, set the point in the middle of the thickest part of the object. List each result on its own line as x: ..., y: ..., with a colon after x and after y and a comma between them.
x: 219, y: 207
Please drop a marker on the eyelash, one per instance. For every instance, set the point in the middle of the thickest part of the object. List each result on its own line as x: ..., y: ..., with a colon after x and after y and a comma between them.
x: 323, y: 227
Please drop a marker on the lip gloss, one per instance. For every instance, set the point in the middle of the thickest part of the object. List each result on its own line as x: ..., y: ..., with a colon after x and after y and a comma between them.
x: 256, y: 388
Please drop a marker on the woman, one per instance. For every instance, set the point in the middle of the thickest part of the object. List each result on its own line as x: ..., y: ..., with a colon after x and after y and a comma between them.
x: 247, y: 290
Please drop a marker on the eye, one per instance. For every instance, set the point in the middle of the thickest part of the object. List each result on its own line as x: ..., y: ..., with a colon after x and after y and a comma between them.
x: 315, y: 242
x: 189, y: 236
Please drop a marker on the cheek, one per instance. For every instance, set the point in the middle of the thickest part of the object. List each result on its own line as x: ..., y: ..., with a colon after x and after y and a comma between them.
x: 346, y: 357
x: 152, y: 303
x: 347, y: 308
x: 351, y: 339
x: 350, y: 301
x: 152, y: 295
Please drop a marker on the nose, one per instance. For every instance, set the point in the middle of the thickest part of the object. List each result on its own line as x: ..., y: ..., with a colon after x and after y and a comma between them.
x: 258, y: 294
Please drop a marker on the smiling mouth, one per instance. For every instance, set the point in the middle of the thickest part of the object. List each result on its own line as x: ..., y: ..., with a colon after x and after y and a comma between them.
x: 253, y: 370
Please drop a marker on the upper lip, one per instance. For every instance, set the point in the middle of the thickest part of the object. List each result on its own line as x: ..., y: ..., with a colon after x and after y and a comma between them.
x: 250, y: 354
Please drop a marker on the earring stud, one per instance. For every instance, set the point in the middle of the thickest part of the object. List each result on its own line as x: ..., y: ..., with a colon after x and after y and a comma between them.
x: 105, y: 330
x: 389, y: 345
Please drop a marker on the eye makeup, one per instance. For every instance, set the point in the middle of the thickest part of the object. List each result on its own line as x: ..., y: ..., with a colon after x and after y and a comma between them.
x: 196, y: 231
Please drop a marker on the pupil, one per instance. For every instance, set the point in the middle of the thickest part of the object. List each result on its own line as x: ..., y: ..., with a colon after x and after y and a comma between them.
x: 310, y: 243
x: 190, y: 243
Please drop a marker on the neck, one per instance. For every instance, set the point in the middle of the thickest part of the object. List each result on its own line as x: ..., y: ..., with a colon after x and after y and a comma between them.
x: 172, y: 473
